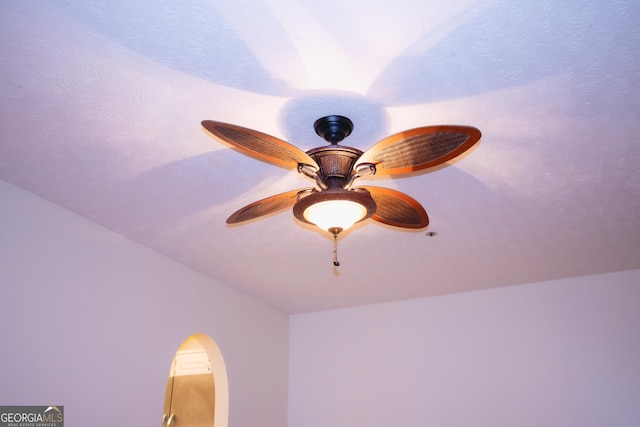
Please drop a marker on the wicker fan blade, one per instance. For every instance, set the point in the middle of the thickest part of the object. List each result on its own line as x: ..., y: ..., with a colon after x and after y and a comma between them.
x: 420, y: 148
x: 397, y: 209
x: 265, y: 206
x: 264, y: 147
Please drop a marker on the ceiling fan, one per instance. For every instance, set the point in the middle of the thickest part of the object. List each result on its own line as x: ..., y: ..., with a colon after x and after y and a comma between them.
x: 334, y: 204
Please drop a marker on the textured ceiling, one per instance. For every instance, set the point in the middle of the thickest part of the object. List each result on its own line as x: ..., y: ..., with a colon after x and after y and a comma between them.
x: 101, y: 103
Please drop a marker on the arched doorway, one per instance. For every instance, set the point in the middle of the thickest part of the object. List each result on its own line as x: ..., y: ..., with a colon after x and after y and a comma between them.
x: 197, y: 389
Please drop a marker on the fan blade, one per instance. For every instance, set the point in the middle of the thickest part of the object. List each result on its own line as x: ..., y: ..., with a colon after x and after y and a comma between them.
x: 397, y: 209
x: 261, y: 145
x: 265, y: 206
x: 420, y: 148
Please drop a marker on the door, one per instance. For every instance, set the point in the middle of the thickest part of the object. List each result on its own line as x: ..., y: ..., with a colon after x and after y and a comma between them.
x: 190, y: 395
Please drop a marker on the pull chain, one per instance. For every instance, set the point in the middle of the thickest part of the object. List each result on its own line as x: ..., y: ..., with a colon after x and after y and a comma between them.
x: 335, y: 231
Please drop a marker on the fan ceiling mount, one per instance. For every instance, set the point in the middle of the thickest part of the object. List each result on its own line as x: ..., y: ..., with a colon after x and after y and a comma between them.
x: 333, y: 129
x: 334, y: 204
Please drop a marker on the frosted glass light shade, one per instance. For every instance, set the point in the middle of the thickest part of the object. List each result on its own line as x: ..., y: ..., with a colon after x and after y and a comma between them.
x: 335, y: 214
x: 334, y: 210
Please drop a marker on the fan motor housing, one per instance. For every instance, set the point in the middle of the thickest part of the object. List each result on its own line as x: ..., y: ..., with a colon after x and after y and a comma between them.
x: 336, y: 163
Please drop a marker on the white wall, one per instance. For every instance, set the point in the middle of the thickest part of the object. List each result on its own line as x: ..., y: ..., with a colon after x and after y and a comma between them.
x: 562, y: 353
x: 91, y: 321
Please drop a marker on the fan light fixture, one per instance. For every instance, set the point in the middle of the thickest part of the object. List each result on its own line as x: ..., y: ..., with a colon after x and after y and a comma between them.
x: 335, y: 215
x: 335, y: 210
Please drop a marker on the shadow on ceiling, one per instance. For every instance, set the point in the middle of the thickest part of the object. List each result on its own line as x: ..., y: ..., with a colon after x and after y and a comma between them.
x: 506, y: 45
x: 194, y: 38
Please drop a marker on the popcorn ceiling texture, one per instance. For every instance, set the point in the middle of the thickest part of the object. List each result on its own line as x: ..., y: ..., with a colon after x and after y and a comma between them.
x: 101, y: 107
